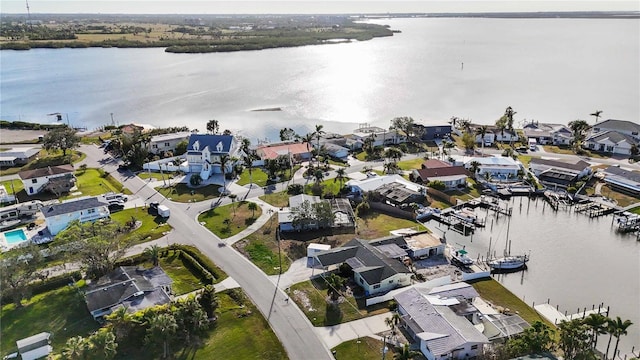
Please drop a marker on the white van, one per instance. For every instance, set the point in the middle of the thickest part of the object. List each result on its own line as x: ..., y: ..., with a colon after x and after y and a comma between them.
x: 533, y: 144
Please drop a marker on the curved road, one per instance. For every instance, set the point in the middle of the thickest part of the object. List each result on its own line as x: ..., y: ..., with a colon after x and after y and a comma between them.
x: 287, y: 321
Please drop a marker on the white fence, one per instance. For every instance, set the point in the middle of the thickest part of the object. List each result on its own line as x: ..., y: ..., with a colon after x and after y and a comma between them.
x: 168, y: 164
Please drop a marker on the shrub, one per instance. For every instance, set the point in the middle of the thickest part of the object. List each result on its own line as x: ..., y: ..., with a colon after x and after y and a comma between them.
x: 295, y: 189
x: 195, y: 180
x: 363, y: 208
x: 437, y: 184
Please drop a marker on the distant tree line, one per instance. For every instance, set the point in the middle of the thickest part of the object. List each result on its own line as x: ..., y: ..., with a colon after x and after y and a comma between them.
x: 23, y: 125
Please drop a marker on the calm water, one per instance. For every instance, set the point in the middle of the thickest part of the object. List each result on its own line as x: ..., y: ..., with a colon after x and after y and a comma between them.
x: 575, y: 261
x: 551, y: 70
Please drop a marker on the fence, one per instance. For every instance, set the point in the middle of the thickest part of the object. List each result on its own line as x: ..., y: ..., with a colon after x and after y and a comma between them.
x: 392, y: 210
x: 441, y: 196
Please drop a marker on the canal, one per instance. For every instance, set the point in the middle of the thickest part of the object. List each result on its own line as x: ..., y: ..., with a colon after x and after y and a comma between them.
x: 576, y: 261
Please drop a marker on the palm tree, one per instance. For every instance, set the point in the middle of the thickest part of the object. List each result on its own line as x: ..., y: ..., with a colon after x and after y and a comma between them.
x: 579, y: 128
x: 367, y: 145
x: 341, y: 176
x: 153, y: 253
x: 318, y: 134
x: 253, y: 207
x: 611, y: 330
x: 318, y: 176
x: 224, y: 159
x: 509, y: 114
x: 393, y: 154
x: 335, y: 283
x: 620, y: 329
x: 121, y: 321
x: 248, y: 163
x: 208, y: 300
x: 482, y: 131
x: 190, y: 317
x: 308, y: 138
x: 405, y: 353
x: 596, y: 114
x: 75, y: 348
x: 213, y: 126
x: 103, y: 344
x: 391, y: 168
x: 597, y: 323
x: 161, y: 329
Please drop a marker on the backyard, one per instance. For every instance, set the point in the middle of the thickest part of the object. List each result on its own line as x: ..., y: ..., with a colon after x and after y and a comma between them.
x: 228, y: 220
x: 365, y: 348
x: 182, y: 193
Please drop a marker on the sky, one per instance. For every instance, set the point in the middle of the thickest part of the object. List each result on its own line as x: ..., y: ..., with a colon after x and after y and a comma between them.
x: 306, y: 7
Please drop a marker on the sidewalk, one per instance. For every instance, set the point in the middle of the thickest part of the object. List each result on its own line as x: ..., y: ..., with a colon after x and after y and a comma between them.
x: 298, y: 272
x: 337, y: 334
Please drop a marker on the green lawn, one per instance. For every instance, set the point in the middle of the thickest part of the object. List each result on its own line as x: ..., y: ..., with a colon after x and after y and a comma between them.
x: 320, y: 313
x: 17, y: 186
x: 635, y: 210
x: 621, y: 198
x: 261, y: 248
x: 279, y: 199
x: 411, y: 164
x: 184, y: 281
x: 526, y: 159
x: 182, y: 193
x: 498, y: 295
x: 61, y: 312
x: 258, y: 177
x: 153, y: 227
x: 47, y: 158
x: 238, y: 213
x: 93, y: 182
x: 156, y: 175
x: 376, y: 225
x: 364, y: 348
x: 329, y: 186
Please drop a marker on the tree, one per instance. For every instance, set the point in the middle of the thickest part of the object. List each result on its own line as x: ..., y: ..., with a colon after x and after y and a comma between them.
x: 318, y: 176
x: 323, y: 213
x: 102, y: 345
x: 482, y: 131
x: 620, y: 328
x: 634, y: 151
x: 287, y: 134
x: 367, y: 145
x: 161, y: 329
x: 307, y: 139
x: 318, y: 135
x: 195, y: 180
x: 121, y: 322
x: 537, y: 338
x: 335, y: 284
x: 19, y: 268
x: 341, y: 176
x: 224, y: 160
x: 191, y: 318
x: 253, y: 207
x: 97, y: 245
x: 405, y: 353
x: 181, y: 147
x: 153, y: 253
x: 509, y: 115
x: 474, y: 166
x: 579, y: 129
x: 596, y: 114
x: 393, y: 154
x: 391, y: 168
x: 469, y: 141
x: 62, y: 138
x: 75, y: 348
x: 598, y: 325
x: 502, y: 124
x: 213, y: 127
x: 208, y: 300
x: 575, y: 341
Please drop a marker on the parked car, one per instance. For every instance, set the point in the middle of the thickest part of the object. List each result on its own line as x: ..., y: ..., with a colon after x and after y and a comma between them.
x: 115, y: 207
x: 115, y: 198
x: 153, y: 208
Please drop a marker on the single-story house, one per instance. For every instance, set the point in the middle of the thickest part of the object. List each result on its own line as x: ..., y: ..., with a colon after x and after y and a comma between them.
x: 343, y: 215
x: 391, y: 185
x: 204, y: 152
x: 623, y: 180
x: 297, y: 151
x: 611, y: 142
x: 433, y: 321
x: 494, y: 134
x: 432, y: 132
x: 380, y: 136
x: 57, y: 179
x: 167, y: 142
x: 17, y: 156
x: 499, y: 168
x: 451, y: 176
x: 129, y: 286
x: 398, y: 194
x: 419, y: 245
x: 335, y: 150
x: 559, y: 173
x: 58, y: 216
x: 35, y: 347
x: 372, y: 269
x: 544, y: 134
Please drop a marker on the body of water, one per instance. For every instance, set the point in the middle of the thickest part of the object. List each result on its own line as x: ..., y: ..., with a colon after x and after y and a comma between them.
x: 550, y: 70
x: 576, y: 261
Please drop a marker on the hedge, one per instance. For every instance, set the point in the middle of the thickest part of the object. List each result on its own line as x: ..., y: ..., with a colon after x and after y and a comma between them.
x: 201, y: 260
x: 48, y: 284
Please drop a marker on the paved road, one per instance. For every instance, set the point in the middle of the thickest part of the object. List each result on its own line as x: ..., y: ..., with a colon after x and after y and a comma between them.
x: 287, y: 321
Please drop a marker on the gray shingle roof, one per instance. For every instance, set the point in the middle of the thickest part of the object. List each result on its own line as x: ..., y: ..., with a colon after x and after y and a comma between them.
x: 613, y: 136
x: 577, y: 166
x: 45, y: 171
x: 72, y: 206
x: 631, y: 175
x: 620, y: 125
x: 455, y: 290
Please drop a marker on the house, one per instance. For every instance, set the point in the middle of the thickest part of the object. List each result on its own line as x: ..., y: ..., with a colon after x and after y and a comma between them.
x: 335, y: 151
x: 610, y: 141
x: 35, y: 347
x: 167, y: 142
x: 419, y: 245
x: 494, y: 134
x: 624, y: 127
x: 452, y: 176
x: 58, y: 216
x: 548, y: 134
x: 5, y: 197
x: 495, y: 168
x: 623, y: 180
x: 129, y: 286
x: 394, y: 188
x: 341, y: 210
x: 17, y: 156
x: 440, y: 325
x: 204, y: 152
x: 380, y: 136
x: 374, y: 271
x: 432, y: 132
x: 57, y: 179
x: 296, y: 151
x: 559, y: 173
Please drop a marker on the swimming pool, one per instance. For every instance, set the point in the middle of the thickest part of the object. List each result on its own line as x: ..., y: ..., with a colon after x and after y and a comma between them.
x: 15, y: 236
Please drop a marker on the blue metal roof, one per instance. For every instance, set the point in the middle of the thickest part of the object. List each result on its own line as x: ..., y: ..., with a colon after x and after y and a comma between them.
x: 212, y: 142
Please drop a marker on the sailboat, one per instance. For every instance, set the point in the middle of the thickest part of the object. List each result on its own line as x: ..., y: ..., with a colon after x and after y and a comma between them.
x: 508, y: 262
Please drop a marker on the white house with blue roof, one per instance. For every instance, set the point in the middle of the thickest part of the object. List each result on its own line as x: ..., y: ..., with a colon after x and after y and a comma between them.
x: 204, y: 152
x: 59, y: 216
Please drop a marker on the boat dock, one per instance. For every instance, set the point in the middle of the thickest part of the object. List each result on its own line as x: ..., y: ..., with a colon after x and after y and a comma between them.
x: 594, y: 209
x: 457, y: 224
x: 555, y: 199
x: 490, y: 203
x: 627, y: 222
x: 554, y: 316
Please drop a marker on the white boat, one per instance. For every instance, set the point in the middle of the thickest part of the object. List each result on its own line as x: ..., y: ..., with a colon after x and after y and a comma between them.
x: 460, y: 257
x: 509, y: 262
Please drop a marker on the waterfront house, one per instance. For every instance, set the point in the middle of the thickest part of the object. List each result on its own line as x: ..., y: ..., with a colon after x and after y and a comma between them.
x: 58, y: 216
x: 17, y: 156
x: 394, y: 188
x: 559, y: 173
x: 160, y: 144
x: 545, y: 134
x: 611, y: 142
x: 374, y: 271
x: 625, y: 127
x: 496, y: 168
x: 436, y: 170
x: 204, y: 152
x: 380, y: 136
x: 296, y: 151
x: 57, y: 179
x: 341, y: 210
x: 419, y: 245
x: 129, y: 286
x: 623, y: 180
x: 440, y: 326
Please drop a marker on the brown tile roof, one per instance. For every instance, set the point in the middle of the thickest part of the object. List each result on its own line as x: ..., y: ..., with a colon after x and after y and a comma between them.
x: 272, y: 152
x: 435, y: 164
x: 446, y: 171
x: 45, y: 171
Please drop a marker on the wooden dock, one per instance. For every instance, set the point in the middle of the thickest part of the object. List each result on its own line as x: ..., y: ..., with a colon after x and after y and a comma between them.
x: 554, y: 316
x: 594, y: 209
